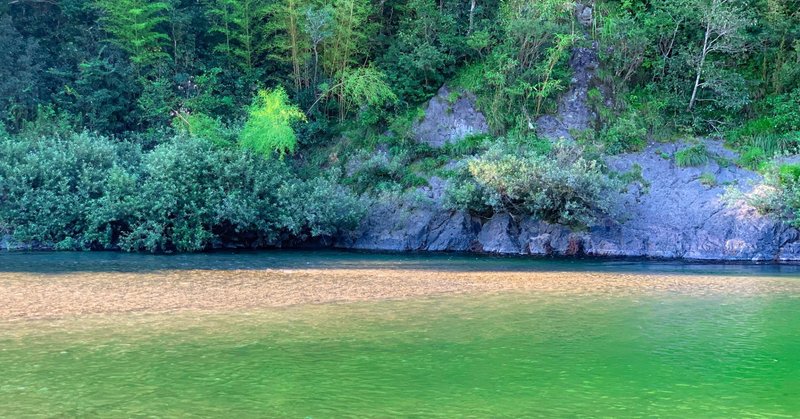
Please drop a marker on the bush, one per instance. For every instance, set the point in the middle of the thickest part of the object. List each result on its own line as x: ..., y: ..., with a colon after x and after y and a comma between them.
x: 269, y: 124
x: 560, y: 187
x: 777, y: 131
x: 753, y: 158
x: 49, y: 186
x: 624, y: 134
x: 780, y: 193
x: 185, y: 195
x: 708, y: 179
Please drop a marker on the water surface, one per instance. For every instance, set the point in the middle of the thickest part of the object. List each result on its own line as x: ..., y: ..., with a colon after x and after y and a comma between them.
x: 509, y: 353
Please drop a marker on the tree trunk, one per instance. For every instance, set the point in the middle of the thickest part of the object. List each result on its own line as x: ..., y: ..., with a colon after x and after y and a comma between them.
x: 471, y: 16
x: 703, y: 54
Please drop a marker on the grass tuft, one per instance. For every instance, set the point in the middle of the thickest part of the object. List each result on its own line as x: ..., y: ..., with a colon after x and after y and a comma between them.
x: 696, y: 155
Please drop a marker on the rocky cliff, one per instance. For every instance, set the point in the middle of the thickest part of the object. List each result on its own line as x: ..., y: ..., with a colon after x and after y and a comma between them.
x: 675, y: 213
x: 680, y: 215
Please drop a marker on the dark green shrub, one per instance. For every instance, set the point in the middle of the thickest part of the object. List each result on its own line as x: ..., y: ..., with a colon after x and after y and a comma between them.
x: 49, y: 186
x: 186, y: 194
x: 624, y: 134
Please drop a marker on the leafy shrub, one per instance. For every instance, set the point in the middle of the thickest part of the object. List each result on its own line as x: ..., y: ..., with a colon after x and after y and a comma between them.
x: 779, y: 194
x: 203, y: 126
x: 776, y: 131
x: 561, y: 187
x: 753, y: 157
x: 269, y: 125
x: 696, y: 155
x: 48, y: 186
x: 624, y: 134
x: 391, y: 170
x: 186, y: 194
x: 789, y: 173
x: 467, y: 145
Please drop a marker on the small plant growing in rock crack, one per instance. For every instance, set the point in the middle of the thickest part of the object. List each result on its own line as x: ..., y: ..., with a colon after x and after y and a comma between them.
x: 708, y: 179
x: 696, y: 155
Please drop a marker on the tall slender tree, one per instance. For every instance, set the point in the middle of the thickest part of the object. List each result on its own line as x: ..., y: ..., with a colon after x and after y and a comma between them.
x: 241, y: 25
x: 723, y: 25
x: 134, y: 26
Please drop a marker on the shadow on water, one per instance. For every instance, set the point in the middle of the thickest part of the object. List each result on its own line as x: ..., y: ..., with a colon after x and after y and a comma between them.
x: 70, y: 262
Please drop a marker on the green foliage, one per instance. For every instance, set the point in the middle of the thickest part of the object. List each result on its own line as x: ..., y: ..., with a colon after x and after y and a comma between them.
x: 779, y: 194
x: 624, y: 134
x: 467, y: 145
x: 238, y: 22
x: 21, y: 73
x: 696, y: 155
x: 392, y: 170
x: 708, y: 179
x: 424, y: 49
x: 186, y: 195
x: 777, y: 131
x: 203, y: 126
x: 269, y: 125
x: 562, y: 187
x: 134, y: 25
x: 753, y: 157
x: 50, y: 185
x: 360, y: 69
x: 364, y: 86
x: 789, y: 173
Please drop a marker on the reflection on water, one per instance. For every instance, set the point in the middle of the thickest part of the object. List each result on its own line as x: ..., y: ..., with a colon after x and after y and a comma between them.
x: 48, y: 262
x: 513, y: 353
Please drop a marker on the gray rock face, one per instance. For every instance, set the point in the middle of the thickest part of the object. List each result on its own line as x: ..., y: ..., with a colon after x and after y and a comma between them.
x: 679, y: 217
x: 574, y: 113
x: 449, y: 116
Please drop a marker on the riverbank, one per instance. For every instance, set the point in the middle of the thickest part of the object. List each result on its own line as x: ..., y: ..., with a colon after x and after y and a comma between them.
x: 31, y: 295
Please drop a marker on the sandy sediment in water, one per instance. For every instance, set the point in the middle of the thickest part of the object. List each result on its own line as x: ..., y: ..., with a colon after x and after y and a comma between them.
x: 32, y: 296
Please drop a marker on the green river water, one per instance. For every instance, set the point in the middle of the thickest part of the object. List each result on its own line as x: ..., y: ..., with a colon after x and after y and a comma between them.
x: 510, y: 354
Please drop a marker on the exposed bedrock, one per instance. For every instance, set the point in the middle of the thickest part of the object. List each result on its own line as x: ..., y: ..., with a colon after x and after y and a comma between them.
x: 679, y: 217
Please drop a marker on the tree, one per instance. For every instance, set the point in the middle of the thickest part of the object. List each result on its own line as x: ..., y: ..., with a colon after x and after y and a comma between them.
x: 347, y: 46
x: 134, y: 27
x: 269, y: 126
x: 21, y: 72
x: 286, y: 40
x: 723, y: 32
x: 317, y: 26
x: 363, y: 86
x: 424, y: 51
x: 240, y: 24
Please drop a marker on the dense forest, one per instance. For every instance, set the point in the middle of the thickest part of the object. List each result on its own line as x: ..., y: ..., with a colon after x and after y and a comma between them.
x: 191, y: 124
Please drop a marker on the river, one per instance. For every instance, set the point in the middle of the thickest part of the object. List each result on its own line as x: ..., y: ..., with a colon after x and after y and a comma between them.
x: 305, y: 334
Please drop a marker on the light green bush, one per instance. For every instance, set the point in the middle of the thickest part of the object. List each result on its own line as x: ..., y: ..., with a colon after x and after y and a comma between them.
x: 560, y: 187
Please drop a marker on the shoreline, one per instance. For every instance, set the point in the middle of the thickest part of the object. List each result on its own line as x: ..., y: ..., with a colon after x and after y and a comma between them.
x: 466, y: 253
x: 30, y: 296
